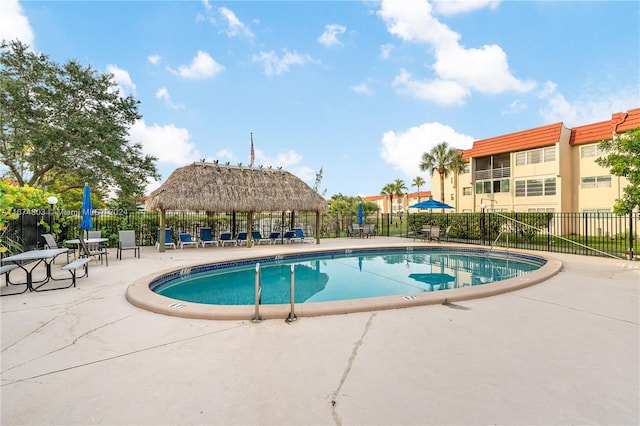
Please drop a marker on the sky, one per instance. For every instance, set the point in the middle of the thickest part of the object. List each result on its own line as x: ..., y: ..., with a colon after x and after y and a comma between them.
x: 357, y: 89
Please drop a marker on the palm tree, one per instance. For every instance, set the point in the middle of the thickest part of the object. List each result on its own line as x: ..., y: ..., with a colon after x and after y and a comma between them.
x: 444, y: 160
x: 391, y: 189
x: 418, y: 181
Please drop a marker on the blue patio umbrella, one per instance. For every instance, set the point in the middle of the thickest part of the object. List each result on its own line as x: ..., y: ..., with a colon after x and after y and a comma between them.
x: 360, y: 214
x: 431, y: 204
x: 86, y: 223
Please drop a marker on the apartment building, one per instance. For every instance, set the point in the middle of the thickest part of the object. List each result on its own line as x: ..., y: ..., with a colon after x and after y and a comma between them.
x: 547, y: 169
x: 400, y: 204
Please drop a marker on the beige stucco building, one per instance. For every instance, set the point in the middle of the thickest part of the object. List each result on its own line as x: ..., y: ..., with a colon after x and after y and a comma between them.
x: 547, y: 169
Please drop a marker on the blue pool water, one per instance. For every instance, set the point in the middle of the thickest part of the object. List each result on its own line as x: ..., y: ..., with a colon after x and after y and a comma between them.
x: 341, y: 275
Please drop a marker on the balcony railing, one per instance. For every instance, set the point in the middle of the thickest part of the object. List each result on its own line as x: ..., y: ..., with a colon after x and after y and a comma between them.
x: 502, y: 172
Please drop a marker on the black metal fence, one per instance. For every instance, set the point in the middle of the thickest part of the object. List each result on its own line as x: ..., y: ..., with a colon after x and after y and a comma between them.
x: 597, y: 234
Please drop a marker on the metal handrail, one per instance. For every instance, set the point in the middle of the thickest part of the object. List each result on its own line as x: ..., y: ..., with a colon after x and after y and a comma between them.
x: 292, y: 315
x: 258, y: 282
x: 556, y: 236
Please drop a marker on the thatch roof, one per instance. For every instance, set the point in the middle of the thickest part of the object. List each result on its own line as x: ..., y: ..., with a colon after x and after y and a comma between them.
x: 214, y: 187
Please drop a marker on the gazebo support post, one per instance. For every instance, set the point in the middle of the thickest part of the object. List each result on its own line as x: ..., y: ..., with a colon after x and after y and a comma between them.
x: 161, y: 238
x: 249, y: 228
x: 317, y: 227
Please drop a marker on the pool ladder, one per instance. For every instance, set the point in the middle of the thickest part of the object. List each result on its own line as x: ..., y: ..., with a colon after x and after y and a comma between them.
x: 258, y: 295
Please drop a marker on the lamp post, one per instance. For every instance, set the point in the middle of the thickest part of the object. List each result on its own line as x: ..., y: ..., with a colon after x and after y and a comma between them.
x: 52, y: 200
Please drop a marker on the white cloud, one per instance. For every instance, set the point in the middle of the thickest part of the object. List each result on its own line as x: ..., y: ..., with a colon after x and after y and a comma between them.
x: 14, y: 24
x: 444, y: 92
x: 163, y: 94
x: 273, y: 64
x: 456, y: 68
x: 403, y: 150
x: 411, y: 20
x: 235, y: 28
x: 385, y: 50
x: 122, y: 77
x: 362, y: 89
x: 154, y: 59
x: 168, y: 143
x: 515, y: 107
x: 330, y: 35
x: 448, y: 7
x: 202, y: 66
x: 485, y: 70
x: 593, y: 108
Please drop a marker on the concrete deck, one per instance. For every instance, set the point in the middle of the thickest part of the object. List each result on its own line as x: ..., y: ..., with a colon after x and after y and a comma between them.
x: 565, y: 351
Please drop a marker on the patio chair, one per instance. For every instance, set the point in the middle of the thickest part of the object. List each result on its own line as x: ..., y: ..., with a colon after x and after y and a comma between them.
x: 168, y: 242
x: 97, y: 253
x: 291, y: 237
x: 207, y: 238
x: 127, y: 241
x: 50, y: 242
x: 275, y: 237
x: 184, y: 239
x: 300, y: 235
x: 368, y: 230
x: 241, y: 238
x: 227, y: 238
x: 256, y: 236
x: 435, y: 234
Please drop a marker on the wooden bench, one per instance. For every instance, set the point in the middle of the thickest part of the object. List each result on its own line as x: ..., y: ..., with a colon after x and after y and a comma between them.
x: 82, y: 262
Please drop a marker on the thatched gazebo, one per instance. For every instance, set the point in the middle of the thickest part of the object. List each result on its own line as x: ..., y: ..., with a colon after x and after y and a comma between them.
x: 214, y: 187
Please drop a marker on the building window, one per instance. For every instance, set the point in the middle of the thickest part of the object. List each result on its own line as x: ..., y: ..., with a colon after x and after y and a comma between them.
x: 591, y: 182
x: 466, y: 190
x: 483, y: 187
x: 535, y: 187
x: 589, y: 151
x: 467, y: 168
x: 536, y: 156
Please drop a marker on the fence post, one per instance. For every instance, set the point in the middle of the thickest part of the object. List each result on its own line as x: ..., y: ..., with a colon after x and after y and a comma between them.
x: 631, y: 237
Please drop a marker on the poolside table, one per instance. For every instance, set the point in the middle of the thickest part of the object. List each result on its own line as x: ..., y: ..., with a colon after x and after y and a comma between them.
x: 29, y: 260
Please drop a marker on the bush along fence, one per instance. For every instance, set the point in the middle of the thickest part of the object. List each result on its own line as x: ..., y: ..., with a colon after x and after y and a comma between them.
x: 596, y: 234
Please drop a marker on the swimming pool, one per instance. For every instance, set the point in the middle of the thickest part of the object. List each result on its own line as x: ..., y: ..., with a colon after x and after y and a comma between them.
x: 344, y: 275
x: 339, y: 281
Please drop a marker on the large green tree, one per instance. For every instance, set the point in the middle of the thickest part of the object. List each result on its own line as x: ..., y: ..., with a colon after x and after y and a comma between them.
x: 67, y: 121
x: 444, y: 160
x: 623, y: 159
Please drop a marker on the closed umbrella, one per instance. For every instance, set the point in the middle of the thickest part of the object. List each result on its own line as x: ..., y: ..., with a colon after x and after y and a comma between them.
x: 86, y: 223
x: 360, y: 214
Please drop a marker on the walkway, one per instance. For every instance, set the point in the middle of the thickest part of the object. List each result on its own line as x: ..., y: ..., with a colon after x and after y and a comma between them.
x: 565, y: 351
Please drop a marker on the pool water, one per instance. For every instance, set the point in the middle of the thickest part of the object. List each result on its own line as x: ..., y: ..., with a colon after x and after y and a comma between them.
x: 335, y: 276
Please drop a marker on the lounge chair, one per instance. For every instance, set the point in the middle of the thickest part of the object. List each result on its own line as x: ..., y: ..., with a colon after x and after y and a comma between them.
x: 290, y: 237
x: 241, y: 238
x: 275, y: 237
x: 227, y: 238
x: 50, y: 242
x: 184, y: 239
x: 127, y: 241
x: 168, y: 242
x: 256, y: 236
x: 206, y: 237
x: 300, y: 235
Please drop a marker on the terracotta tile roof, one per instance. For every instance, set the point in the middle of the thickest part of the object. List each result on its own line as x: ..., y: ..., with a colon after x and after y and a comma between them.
x: 620, y: 122
x: 518, y: 141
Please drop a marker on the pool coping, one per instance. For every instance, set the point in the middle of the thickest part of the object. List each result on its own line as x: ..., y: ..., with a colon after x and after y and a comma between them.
x: 139, y: 293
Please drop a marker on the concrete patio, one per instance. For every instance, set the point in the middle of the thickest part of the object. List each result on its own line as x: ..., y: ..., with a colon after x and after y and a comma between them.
x: 565, y: 351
